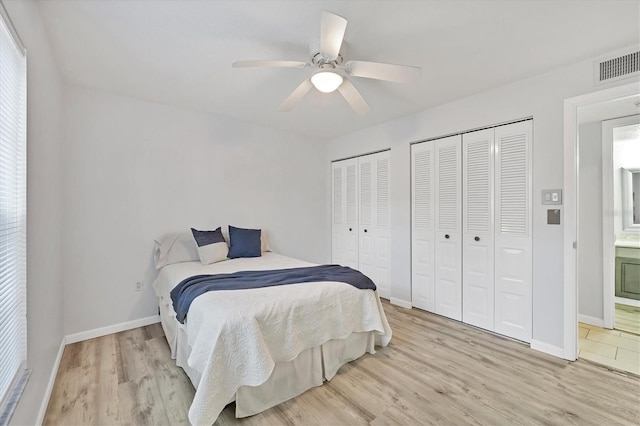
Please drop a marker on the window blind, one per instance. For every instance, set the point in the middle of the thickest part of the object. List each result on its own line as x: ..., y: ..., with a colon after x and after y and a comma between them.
x: 13, y: 319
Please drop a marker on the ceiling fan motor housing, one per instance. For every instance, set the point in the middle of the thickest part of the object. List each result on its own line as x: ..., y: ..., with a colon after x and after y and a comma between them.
x: 321, y: 60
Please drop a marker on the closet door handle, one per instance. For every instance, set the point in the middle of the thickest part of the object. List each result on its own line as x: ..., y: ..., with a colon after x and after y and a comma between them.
x: 365, y: 230
x: 477, y: 238
x: 446, y: 236
x: 350, y: 229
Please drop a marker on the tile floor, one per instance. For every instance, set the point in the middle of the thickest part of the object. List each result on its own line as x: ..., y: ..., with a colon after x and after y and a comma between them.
x: 628, y: 318
x: 613, y: 348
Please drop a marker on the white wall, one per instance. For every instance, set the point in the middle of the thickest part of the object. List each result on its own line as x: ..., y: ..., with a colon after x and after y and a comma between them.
x: 590, y: 286
x: 540, y: 97
x: 44, y: 208
x: 134, y: 170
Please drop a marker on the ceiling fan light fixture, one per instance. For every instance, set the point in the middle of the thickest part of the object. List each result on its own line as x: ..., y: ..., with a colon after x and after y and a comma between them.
x: 326, y: 81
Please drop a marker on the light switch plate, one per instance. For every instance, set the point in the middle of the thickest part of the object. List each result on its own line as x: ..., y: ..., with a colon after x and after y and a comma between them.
x: 552, y: 196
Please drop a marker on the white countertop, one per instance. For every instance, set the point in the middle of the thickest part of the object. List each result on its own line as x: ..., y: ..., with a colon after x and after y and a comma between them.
x: 628, y: 244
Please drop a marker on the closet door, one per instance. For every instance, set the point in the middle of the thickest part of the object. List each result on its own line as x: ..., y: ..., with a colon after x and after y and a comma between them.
x: 513, y: 275
x: 366, y: 173
x: 448, y: 235
x: 374, y: 254
x: 382, y: 221
x: 423, y: 225
x: 344, y: 229
x: 477, y: 229
x: 351, y: 213
x: 338, y: 213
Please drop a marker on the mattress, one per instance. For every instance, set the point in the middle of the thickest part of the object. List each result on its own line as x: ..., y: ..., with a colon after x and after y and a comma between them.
x: 235, y: 340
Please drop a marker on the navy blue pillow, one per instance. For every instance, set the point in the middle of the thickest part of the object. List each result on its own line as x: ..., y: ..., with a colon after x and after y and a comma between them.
x: 244, y: 242
x: 204, y: 238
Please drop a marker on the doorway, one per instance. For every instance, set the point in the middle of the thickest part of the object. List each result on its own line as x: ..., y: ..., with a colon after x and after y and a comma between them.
x: 588, y: 289
x: 621, y: 229
x: 609, y: 150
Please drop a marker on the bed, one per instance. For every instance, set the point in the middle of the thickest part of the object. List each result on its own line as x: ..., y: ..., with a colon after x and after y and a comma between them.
x: 263, y: 346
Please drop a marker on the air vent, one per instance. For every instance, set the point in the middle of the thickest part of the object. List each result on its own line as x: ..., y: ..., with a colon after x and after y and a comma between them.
x: 617, y: 68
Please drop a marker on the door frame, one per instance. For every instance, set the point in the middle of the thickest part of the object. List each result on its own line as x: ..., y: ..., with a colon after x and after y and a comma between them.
x: 571, y: 164
x: 608, y: 220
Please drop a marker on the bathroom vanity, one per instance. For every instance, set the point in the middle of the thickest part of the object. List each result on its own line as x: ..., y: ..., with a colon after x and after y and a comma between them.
x: 628, y: 269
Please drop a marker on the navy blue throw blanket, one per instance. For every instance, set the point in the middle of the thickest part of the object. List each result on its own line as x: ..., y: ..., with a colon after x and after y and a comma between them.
x: 185, y: 292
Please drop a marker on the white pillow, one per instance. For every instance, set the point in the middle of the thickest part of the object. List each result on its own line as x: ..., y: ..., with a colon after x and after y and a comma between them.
x: 264, y: 242
x: 175, y: 247
x: 212, y: 247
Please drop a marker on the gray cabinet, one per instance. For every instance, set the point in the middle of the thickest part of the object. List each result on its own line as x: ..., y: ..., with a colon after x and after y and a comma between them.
x: 628, y: 273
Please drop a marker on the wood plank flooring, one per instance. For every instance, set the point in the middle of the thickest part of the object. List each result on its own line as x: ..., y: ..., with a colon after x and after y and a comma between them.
x: 435, y: 371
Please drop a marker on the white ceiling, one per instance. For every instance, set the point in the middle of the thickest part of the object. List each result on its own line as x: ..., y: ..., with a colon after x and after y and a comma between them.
x: 180, y: 52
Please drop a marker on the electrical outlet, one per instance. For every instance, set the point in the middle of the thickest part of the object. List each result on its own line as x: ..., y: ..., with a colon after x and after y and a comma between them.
x: 138, y: 286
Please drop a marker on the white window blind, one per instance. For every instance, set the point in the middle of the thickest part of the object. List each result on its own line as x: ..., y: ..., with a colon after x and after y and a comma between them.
x: 13, y: 311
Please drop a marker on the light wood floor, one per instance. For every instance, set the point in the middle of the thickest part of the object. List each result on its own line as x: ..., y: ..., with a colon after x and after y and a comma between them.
x: 435, y: 371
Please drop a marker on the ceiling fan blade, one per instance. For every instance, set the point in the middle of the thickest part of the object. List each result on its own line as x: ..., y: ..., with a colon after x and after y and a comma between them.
x: 269, y: 64
x: 296, y: 95
x: 355, y: 99
x: 332, y: 28
x: 381, y: 71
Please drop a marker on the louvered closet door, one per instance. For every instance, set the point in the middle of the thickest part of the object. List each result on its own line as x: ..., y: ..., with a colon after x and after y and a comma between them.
x: 366, y: 166
x: 344, y: 238
x: 382, y: 221
x: 477, y: 229
x: 338, y: 210
x: 448, y: 235
x: 423, y: 225
x: 374, y: 254
x: 513, y: 231
x: 351, y: 213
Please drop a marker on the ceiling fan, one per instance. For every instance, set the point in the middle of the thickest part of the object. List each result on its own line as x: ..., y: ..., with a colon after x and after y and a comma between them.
x: 331, y: 72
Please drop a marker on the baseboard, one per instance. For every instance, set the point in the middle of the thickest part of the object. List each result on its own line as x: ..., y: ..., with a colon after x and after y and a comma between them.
x: 401, y: 303
x: 52, y: 380
x: 116, y: 328
x: 547, y: 348
x: 598, y: 322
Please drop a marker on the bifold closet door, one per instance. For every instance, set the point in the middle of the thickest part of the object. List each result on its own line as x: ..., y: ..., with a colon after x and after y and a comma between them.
x: 436, y: 255
x: 361, y: 217
x: 345, y: 213
x: 513, y: 253
x: 338, y: 236
x: 448, y: 227
x: 374, y: 249
x: 477, y: 229
x: 423, y: 226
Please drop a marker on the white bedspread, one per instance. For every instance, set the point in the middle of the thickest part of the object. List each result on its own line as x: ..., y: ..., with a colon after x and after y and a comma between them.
x: 237, y: 336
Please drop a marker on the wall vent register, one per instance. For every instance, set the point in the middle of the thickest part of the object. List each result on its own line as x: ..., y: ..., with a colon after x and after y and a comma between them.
x: 618, y: 67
